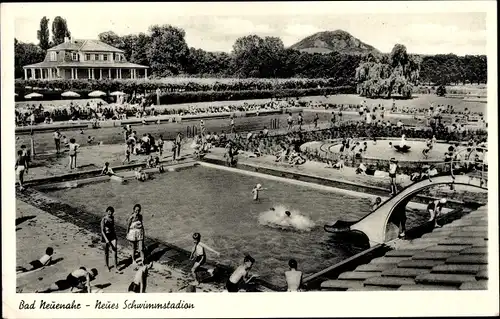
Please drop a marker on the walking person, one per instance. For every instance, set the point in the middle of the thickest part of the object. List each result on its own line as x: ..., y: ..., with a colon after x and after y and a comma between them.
x: 109, y: 237
x: 198, y: 255
x: 135, y: 233
x: 57, y: 141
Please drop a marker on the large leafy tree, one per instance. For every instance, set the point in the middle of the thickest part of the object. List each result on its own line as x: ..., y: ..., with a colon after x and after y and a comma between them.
x: 386, y: 76
x: 25, y: 54
x: 43, y: 34
x: 111, y: 38
x: 168, y: 51
x: 59, y: 30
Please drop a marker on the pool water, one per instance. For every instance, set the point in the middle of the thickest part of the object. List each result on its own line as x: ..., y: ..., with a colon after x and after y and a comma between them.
x: 219, y: 205
x: 382, y: 150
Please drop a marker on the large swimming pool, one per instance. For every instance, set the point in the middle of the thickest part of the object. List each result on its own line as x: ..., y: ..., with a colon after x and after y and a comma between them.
x: 219, y: 205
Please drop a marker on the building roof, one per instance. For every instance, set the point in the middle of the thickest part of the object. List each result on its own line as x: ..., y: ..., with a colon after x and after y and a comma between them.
x: 86, y: 64
x: 454, y: 257
x: 85, y: 45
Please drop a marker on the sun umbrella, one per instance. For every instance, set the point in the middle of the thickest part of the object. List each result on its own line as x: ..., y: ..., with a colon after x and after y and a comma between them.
x: 117, y: 93
x: 70, y: 94
x: 96, y: 93
x: 29, y: 96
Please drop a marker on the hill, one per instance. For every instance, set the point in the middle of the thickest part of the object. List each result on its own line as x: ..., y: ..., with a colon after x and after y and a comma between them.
x: 333, y: 41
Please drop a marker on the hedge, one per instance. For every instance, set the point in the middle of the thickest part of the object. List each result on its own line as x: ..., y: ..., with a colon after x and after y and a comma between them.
x: 183, y: 85
x: 211, y: 96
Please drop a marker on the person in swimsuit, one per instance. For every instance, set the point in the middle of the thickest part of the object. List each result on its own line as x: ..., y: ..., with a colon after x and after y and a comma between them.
x: 138, y: 285
x: 45, y: 260
x: 79, y: 279
x: 21, y: 167
x: 106, y: 170
x: 73, y: 147
x: 109, y: 236
x: 160, y: 143
x: 293, y: 276
x: 316, y: 119
x: 300, y: 121
x: 256, y: 190
x: 198, y: 255
x: 393, y: 167
x: 135, y: 232
x: 240, y: 274
x: 434, y: 208
x: 57, y: 141
x: 376, y: 203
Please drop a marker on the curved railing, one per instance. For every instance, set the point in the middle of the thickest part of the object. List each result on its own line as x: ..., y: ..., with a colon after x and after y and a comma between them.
x: 374, y: 224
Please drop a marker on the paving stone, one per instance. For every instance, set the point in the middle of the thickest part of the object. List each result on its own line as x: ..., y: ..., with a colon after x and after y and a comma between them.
x: 436, y: 235
x: 468, y: 259
x: 372, y: 288
x: 340, y: 285
x: 446, y: 248
x: 469, y: 222
x: 358, y: 275
x: 420, y: 264
x: 473, y: 228
x: 471, y: 234
x: 401, y: 253
x: 395, y: 282
x: 433, y: 255
x: 375, y: 267
x: 404, y: 272
x: 483, y: 243
x: 426, y: 287
x: 388, y: 260
x: 475, y: 251
x: 444, y: 279
x: 457, y: 269
x: 460, y: 241
x: 482, y: 275
x: 475, y: 285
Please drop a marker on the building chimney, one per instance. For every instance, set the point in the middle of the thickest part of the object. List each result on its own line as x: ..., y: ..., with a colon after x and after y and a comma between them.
x: 67, y: 39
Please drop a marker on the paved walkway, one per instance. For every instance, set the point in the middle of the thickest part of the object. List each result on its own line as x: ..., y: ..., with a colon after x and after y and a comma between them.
x: 75, y: 247
x: 454, y: 257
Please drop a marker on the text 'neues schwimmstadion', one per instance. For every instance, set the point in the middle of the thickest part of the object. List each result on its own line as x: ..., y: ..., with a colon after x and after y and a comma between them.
x: 105, y: 305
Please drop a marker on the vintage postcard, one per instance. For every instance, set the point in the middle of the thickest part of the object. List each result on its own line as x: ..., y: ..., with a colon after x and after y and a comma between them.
x: 249, y: 159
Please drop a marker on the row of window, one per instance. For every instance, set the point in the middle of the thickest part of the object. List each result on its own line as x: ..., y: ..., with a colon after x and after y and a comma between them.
x: 91, y: 57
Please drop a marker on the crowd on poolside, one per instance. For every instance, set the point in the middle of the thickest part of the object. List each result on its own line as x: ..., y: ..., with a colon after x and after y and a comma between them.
x: 286, y: 148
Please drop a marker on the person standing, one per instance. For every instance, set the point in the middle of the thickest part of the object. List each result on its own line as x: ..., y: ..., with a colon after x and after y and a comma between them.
x: 73, y: 150
x: 135, y: 232
x: 301, y: 121
x: 316, y: 119
x: 57, y: 141
x: 21, y: 168
x: 178, y: 140
x: 109, y: 237
x: 289, y: 121
x: 434, y: 208
x: 393, y: 167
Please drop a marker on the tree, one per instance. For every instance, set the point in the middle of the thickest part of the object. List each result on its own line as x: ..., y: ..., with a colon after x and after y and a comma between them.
x: 43, y: 34
x: 25, y: 54
x: 111, y: 38
x: 385, y: 76
x: 59, y: 30
x: 168, y: 51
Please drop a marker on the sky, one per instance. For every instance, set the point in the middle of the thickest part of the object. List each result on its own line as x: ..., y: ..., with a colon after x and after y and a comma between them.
x: 215, y: 26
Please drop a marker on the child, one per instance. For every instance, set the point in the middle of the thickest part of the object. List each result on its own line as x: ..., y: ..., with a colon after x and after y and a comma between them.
x: 241, y: 273
x: 127, y: 156
x: 106, y: 170
x: 160, y: 143
x: 138, y: 285
x: 293, y: 276
x: 256, y: 190
x: 140, y: 175
x: 90, y: 140
x: 79, y: 278
x: 376, y: 203
x: 73, y: 147
x: 45, y: 260
x: 198, y: 255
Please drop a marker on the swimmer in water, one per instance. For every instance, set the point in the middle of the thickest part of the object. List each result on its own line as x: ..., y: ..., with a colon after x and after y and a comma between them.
x: 256, y: 190
x: 198, y: 255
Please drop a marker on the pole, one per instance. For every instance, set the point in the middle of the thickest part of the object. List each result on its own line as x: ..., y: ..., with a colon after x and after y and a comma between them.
x: 32, y: 143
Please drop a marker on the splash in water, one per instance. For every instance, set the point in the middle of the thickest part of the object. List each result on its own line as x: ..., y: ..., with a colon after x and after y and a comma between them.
x: 283, y: 218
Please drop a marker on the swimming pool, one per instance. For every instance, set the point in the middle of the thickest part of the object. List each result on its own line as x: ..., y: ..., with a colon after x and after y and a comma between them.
x: 382, y: 150
x: 219, y: 205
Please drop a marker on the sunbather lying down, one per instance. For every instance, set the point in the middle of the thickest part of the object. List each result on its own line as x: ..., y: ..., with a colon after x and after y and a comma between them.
x: 45, y: 260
